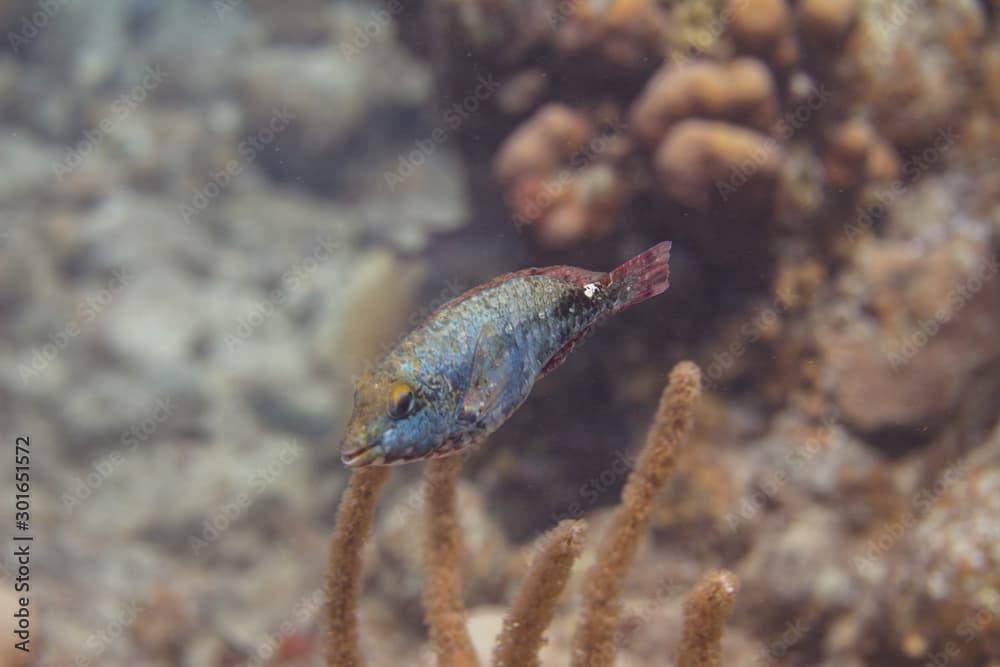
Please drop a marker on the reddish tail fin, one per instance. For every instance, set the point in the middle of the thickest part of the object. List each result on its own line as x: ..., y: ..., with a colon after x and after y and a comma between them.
x: 644, y: 276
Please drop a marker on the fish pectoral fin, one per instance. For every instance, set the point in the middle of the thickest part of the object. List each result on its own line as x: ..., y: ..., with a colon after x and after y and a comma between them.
x: 563, y: 352
x: 494, y: 363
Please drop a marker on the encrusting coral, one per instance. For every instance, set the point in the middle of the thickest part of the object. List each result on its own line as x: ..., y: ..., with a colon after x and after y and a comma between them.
x: 594, y: 643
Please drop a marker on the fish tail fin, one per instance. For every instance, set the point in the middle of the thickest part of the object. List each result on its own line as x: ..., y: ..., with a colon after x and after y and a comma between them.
x: 642, y: 277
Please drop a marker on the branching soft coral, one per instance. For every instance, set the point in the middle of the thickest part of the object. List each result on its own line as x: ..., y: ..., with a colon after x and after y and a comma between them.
x: 594, y: 644
x: 535, y: 602
x: 534, y: 605
x: 705, y: 612
x: 442, y: 567
x: 343, y: 578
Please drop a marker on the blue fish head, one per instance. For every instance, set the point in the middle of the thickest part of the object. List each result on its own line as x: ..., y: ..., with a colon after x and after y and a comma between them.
x: 396, y: 419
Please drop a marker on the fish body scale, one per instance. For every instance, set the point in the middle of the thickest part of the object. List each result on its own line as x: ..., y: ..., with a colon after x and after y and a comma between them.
x: 463, y: 372
x: 523, y: 309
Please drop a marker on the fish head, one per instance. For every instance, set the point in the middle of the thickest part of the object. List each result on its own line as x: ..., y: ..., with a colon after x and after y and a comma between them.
x: 394, y: 420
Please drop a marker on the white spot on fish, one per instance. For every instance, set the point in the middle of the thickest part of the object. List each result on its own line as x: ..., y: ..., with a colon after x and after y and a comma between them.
x: 590, y: 289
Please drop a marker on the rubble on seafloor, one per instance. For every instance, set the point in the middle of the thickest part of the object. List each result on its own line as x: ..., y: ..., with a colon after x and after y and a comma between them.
x: 219, y: 213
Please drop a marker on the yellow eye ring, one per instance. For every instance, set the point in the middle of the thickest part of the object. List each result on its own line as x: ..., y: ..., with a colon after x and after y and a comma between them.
x: 401, y: 400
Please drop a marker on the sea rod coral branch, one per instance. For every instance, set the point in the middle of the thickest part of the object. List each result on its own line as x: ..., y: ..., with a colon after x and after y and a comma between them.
x: 343, y: 579
x: 594, y: 642
x: 705, y: 611
x: 535, y: 603
x: 443, y: 605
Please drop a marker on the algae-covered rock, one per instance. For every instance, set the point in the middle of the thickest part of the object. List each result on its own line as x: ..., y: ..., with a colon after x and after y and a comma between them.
x: 913, y: 67
x: 905, y: 360
x: 943, y: 599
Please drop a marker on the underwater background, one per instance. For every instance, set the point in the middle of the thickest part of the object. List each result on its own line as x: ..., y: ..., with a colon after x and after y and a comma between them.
x: 216, y: 214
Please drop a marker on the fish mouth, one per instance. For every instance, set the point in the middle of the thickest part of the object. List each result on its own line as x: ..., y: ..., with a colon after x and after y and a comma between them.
x: 361, y: 456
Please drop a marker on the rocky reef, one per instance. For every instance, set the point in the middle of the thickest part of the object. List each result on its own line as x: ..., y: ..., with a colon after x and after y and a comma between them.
x: 218, y: 214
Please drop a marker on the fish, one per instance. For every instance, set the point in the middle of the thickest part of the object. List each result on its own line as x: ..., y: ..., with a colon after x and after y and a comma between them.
x: 456, y: 378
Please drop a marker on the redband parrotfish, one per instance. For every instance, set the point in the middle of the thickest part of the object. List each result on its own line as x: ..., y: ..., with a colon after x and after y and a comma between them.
x: 456, y: 378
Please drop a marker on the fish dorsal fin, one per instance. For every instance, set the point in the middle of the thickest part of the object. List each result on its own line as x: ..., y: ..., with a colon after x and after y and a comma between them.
x: 492, y: 367
x: 567, y: 274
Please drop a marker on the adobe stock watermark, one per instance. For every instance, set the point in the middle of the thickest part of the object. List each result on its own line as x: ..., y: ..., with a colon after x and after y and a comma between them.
x: 363, y: 34
x: 32, y: 26
x: 786, y: 127
x: 225, y: 7
x: 957, y: 298
x: 247, y: 150
x: 120, y: 108
x: 775, y: 481
x: 634, y: 617
x: 83, y: 486
x: 583, y: 157
x: 99, y: 642
x: 968, y: 629
x: 708, y: 36
x: 87, y: 310
x: 775, y: 652
x: 11, y: 225
x: 302, y: 615
x: 561, y: 13
x: 913, y: 168
x: 594, y: 487
x: 416, y: 496
x: 592, y: 491
x: 454, y: 117
x: 229, y: 512
x: 763, y: 320
x: 291, y: 280
x: 902, y: 11
x: 452, y: 288
x: 890, y: 533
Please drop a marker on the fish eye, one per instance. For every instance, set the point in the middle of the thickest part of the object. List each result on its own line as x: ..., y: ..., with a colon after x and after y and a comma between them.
x: 401, y: 401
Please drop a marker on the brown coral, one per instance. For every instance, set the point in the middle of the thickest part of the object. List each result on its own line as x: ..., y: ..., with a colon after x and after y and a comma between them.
x: 553, y: 134
x: 765, y: 28
x: 740, y: 91
x: 943, y: 597
x: 705, y: 612
x: 594, y: 643
x: 623, y: 33
x: 442, y: 558
x: 911, y: 66
x: 704, y: 163
x: 535, y: 603
x: 904, y: 351
x: 857, y: 155
x: 560, y: 175
x: 343, y: 578
x: 533, y: 607
x: 829, y: 20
